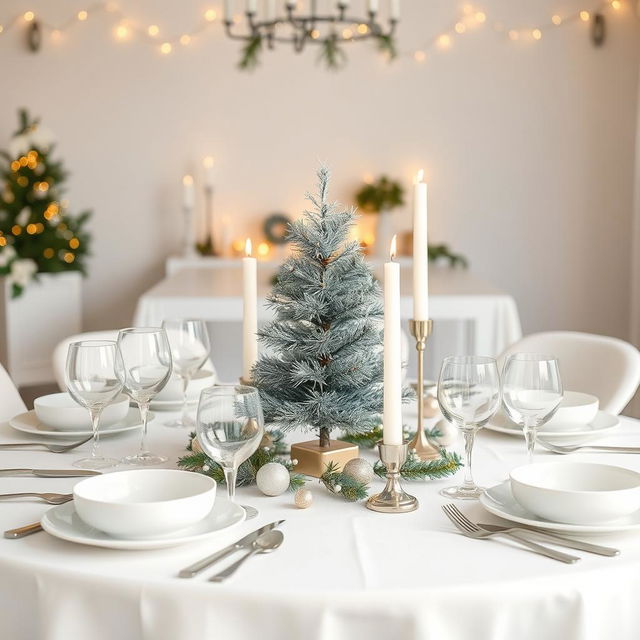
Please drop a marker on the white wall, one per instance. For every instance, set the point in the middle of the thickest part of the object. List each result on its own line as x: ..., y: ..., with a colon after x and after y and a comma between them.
x: 528, y: 147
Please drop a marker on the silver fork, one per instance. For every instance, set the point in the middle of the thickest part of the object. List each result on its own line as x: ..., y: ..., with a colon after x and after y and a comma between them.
x: 54, y: 448
x: 471, y: 530
x: 51, y: 498
x: 557, y: 448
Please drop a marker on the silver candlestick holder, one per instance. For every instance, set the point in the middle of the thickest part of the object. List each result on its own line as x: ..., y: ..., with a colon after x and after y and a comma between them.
x: 393, y: 498
x: 421, y: 330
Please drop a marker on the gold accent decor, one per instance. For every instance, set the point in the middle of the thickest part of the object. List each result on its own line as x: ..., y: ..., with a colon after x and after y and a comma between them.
x: 312, y: 459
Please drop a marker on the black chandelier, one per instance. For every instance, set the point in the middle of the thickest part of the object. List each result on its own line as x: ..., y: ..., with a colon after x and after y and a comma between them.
x: 327, y: 30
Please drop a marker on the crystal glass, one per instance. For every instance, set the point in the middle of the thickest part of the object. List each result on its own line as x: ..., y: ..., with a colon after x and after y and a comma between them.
x: 230, y: 427
x: 531, y: 392
x: 468, y: 395
x: 146, y: 369
x: 189, y: 342
x: 92, y: 382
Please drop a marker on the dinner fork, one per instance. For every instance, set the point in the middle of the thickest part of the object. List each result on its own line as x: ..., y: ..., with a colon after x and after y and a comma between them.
x: 51, y: 498
x: 471, y: 530
x: 556, y: 448
x: 54, y: 448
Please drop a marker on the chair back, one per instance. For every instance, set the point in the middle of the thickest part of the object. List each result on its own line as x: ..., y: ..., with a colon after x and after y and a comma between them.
x: 11, y: 404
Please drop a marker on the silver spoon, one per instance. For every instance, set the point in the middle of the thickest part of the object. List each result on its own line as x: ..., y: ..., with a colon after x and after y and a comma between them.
x: 54, y: 448
x: 265, y: 543
x: 51, y: 498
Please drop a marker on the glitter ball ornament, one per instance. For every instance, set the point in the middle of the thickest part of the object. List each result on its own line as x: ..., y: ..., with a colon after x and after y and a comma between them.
x: 303, y: 498
x: 449, y: 433
x: 272, y: 479
x: 359, y: 469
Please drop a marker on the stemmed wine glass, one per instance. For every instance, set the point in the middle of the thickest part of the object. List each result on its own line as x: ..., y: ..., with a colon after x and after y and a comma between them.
x: 468, y: 395
x: 230, y: 426
x: 92, y: 382
x: 531, y: 392
x: 189, y: 342
x: 146, y: 369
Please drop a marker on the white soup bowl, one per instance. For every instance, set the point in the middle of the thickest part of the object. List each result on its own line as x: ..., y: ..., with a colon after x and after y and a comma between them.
x: 576, y: 408
x: 576, y: 492
x: 144, y: 503
x: 61, y: 411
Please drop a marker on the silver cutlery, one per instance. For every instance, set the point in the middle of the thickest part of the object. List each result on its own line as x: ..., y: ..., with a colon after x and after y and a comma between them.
x: 265, y: 543
x: 49, y: 473
x: 54, y: 448
x: 51, y: 498
x: 554, y: 539
x: 245, y: 542
x: 21, y: 532
x: 556, y: 448
x: 471, y: 530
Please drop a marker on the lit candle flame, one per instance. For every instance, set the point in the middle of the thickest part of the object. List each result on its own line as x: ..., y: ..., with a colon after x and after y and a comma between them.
x: 208, y: 162
x: 187, y: 180
x: 392, y: 250
x: 420, y: 176
x: 247, y: 247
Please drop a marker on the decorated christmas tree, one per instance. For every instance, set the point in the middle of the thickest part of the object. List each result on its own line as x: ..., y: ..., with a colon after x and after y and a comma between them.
x: 324, y: 369
x: 37, y: 234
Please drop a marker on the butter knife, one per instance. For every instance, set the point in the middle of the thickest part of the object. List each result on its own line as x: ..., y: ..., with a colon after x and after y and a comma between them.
x: 554, y: 539
x: 49, y: 473
x: 201, y: 565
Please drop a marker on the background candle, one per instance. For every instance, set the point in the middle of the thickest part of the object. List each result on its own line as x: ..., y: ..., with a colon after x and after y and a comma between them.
x: 188, y: 192
x: 420, y: 250
x: 250, y: 312
x: 392, y: 417
x: 207, y: 163
x: 394, y: 9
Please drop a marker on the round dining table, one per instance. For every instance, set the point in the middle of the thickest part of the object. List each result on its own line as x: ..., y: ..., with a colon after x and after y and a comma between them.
x: 343, y: 572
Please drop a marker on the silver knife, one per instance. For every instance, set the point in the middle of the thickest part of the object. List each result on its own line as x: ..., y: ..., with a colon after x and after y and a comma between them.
x: 49, y: 473
x: 201, y: 565
x: 554, y: 539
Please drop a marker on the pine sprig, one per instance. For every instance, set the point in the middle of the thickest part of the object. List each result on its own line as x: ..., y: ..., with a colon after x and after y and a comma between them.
x: 369, y: 439
x: 341, y: 484
x: 415, y: 469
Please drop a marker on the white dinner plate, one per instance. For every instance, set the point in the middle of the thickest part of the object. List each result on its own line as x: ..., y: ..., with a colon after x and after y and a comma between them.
x: 171, y: 405
x: 561, y: 433
x: 500, y: 502
x: 63, y: 522
x: 29, y: 423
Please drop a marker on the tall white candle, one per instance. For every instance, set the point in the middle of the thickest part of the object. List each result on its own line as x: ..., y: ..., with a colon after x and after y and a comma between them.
x: 394, y: 9
x: 188, y: 192
x: 372, y: 6
x: 420, y: 250
x: 392, y: 416
x: 271, y: 10
x: 252, y: 6
x: 250, y: 312
x: 207, y: 163
x: 228, y: 10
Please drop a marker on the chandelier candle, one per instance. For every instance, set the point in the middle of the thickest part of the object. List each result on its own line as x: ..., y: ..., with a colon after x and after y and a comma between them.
x: 420, y: 250
x: 392, y: 415
x: 250, y: 313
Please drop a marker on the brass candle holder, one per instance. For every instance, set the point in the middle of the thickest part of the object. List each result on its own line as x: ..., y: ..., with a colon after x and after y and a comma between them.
x: 393, y: 498
x: 421, y: 330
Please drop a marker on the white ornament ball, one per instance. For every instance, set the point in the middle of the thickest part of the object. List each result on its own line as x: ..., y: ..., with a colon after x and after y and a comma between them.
x: 303, y: 498
x: 273, y: 479
x: 449, y: 433
x: 359, y: 469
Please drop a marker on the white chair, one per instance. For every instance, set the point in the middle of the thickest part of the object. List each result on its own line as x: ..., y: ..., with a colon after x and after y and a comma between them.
x: 606, y: 367
x: 11, y: 404
x: 60, y: 353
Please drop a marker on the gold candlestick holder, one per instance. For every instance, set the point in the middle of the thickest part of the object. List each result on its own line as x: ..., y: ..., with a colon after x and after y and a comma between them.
x: 393, y: 498
x: 246, y: 383
x: 421, y: 330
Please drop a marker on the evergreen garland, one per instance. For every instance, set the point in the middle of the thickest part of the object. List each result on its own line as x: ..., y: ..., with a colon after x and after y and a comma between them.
x: 371, y: 438
x: 415, y: 469
x: 343, y: 485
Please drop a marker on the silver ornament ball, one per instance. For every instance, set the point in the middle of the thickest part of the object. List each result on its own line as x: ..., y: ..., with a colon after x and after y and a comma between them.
x: 303, y: 498
x: 360, y: 470
x: 449, y: 433
x: 273, y: 479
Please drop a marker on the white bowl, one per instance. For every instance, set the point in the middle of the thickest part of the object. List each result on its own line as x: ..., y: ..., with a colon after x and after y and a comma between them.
x: 144, y: 503
x: 575, y: 408
x: 61, y: 411
x: 172, y: 391
x: 576, y: 492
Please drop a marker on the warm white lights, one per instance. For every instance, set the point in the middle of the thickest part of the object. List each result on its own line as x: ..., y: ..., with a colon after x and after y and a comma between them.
x: 392, y: 249
x: 247, y: 247
x: 616, y: 4
x: 536, y: 34
x: 166, y: 48
x: 210, y: 15
x: 207, y: 162
x: 419, y: 56
x: 513, y: 34
x: 82, y: 16
x: 460, y: 27
x: 122, y: 31
x: 29, y: 16
x: 185, y: 39
x: 556, y: 19
x: 444, y: 41
x: 153, y: 30
x: 584, y: 16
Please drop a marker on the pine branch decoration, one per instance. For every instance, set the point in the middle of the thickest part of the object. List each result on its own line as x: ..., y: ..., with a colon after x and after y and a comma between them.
x: 415, y: 469
x: 343, y: 485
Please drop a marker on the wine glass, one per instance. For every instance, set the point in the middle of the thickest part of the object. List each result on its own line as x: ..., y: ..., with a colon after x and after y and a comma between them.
x: 230, y: 426
x: 531, y: 392
x: 91, y: 379
x: 189, y: 342
x: 146, y: 369
x: 468, y: 395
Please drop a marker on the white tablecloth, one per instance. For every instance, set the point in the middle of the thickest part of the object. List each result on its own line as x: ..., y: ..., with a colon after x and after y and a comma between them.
x: 343, y: 572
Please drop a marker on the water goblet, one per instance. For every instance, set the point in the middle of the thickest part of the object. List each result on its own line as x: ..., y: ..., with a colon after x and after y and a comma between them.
x: 531, y: 392
x: 230, y: 426
x: 91, y: 379
x: 468, y: 395
x: 146, y: 369
x: 189, y: 342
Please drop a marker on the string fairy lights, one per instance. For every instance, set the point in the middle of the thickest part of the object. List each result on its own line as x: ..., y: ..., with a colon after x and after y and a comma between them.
x: 469, y: 18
